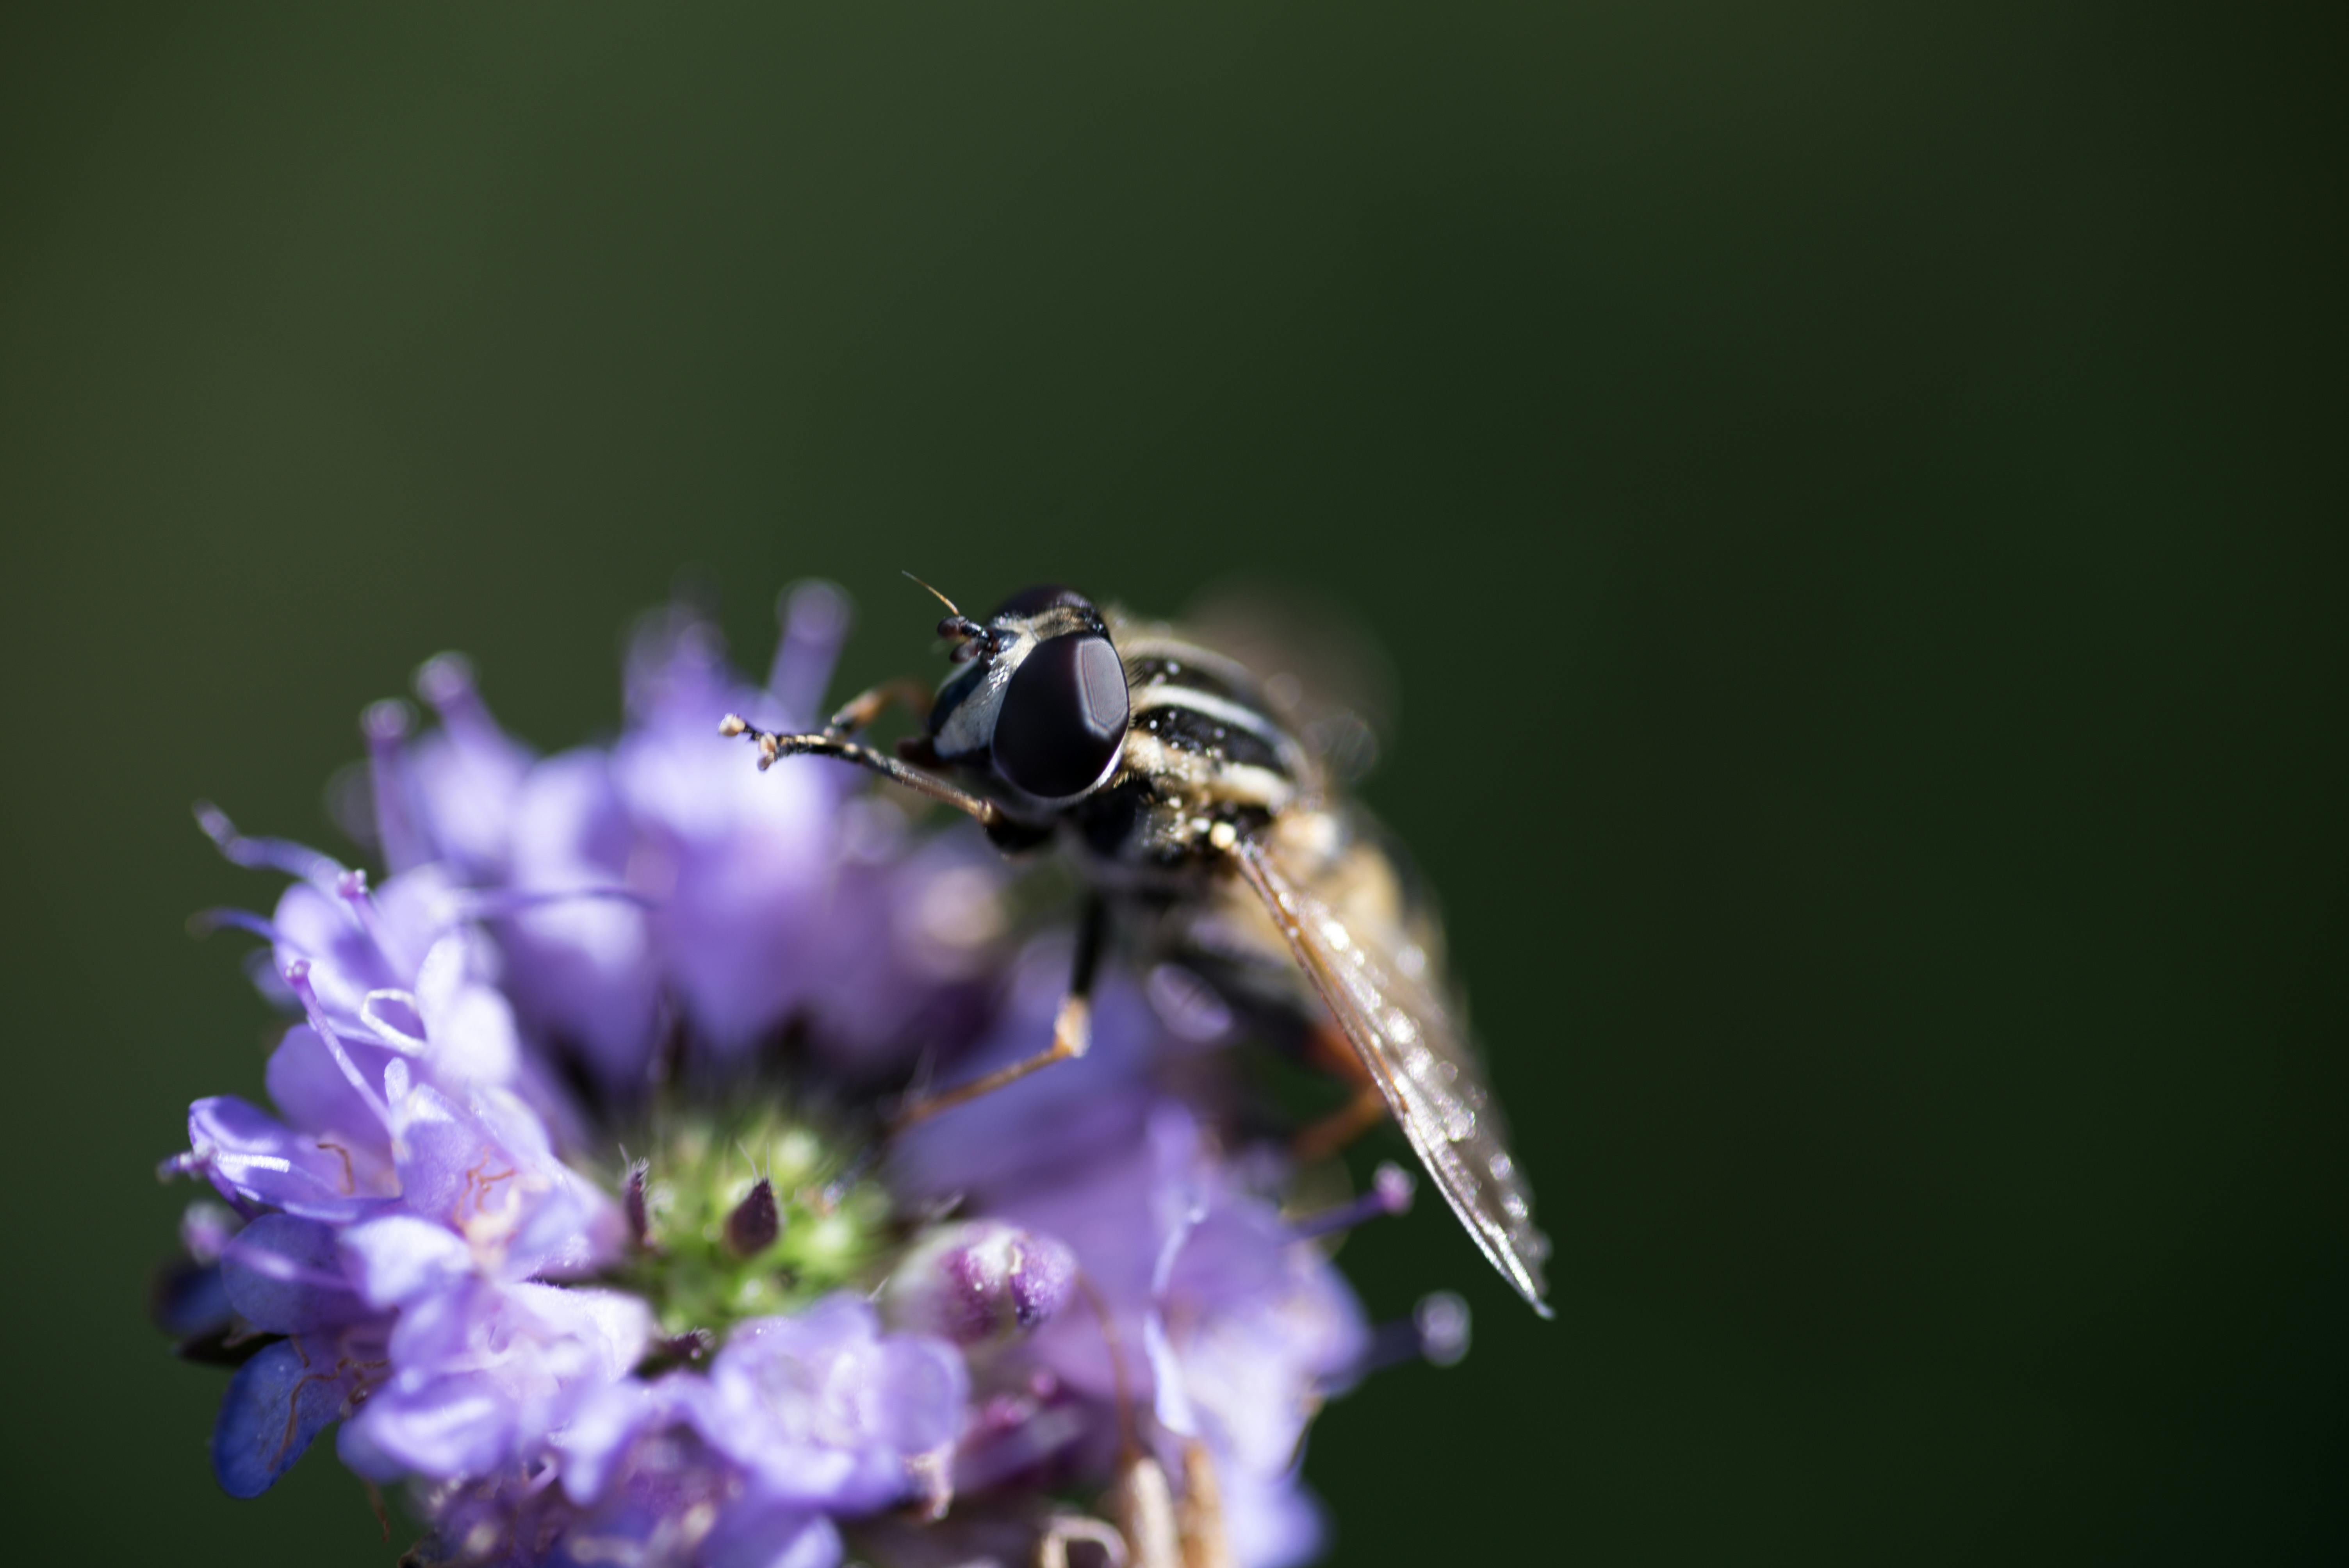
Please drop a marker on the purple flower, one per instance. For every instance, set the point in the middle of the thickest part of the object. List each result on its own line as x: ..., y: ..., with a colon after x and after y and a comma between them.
x: 484, y: 1370
x: 980, y: 1283
x: 566, y: 1200
x: 826, y: 1414
x: 795, y: 894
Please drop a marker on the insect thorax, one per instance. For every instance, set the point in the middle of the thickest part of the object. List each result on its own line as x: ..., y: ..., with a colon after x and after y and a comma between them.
x: 1206, y: 760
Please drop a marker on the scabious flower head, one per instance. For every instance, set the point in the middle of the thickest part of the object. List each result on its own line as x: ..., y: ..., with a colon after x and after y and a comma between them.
x: 572, y: 1203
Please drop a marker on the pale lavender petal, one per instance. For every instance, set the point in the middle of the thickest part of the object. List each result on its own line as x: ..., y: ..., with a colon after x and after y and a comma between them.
x: 461, y: 1425
x: 595, y: 1335
x: 607, y: 1421
x: 399, y: 1258
x: 919, y: 1388
x: 1271, y: 1522
x: 468, y: 1027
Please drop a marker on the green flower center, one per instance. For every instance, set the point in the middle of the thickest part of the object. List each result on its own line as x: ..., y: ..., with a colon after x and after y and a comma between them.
x: 835, y: 1229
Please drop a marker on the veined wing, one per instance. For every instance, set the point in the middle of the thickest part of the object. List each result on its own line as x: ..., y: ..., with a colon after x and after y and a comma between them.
x: 1423, y: 1065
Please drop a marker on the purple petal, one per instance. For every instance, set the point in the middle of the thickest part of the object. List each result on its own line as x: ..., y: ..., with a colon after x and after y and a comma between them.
x: 455, y: 1426
x: 823, y: 1412
x: 449, y: 1169
x: 468, y: 1027
x: 255, y: 1159
x: 764, y: 1533
x: 1032, y: 1135
x: 464, y: 778
x: 308, y: 1087
x: 284, y: 1276
x: 410, y: 912
x: 816, y: 616
x: 485, y: 1169
x: 742, y: 860
x: 607, y: 1421
x: 345, y: 963
x: 442, y: 1330
x: 399, y: 1258
x: 276, y: 1403
x: 1270, y: 1522
x: 582, y: 968
x: 484, y: 1370
x: 1170, y: 1400
x: 605, y: 1331
x: 919, y: 1389
x: 838, y: 1323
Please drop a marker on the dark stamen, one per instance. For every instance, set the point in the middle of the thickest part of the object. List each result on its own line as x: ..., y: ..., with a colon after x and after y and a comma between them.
x: 755, y: 1223
x: 640, y: 1224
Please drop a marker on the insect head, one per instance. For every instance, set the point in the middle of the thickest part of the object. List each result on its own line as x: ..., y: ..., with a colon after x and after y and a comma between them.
x: 1041, y: 696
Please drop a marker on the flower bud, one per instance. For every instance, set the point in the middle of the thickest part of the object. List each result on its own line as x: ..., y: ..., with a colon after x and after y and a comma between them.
x: 633, y: 1202
x: 755, y: 1223
x: 978, y: 1282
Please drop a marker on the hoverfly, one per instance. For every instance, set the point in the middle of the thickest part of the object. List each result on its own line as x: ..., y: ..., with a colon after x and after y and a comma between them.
x: 1198, y: 816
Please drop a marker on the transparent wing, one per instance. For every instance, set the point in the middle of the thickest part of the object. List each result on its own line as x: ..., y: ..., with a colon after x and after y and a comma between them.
x: 1420, y: 1062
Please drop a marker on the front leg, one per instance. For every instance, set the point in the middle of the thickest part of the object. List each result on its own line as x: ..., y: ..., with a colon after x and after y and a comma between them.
x: 1072, y: 1028
x: 985, y: 812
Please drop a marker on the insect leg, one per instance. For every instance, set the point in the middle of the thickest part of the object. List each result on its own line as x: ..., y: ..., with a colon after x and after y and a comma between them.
x: 1340, y: 1127
x: 772, y: 746
x: 1142, y: 1505
x: 1073, y: 1028
x: 862, y: 709
x: 1148, y: 1526
x: 1200, y: 1516
x: 1327, y: 1048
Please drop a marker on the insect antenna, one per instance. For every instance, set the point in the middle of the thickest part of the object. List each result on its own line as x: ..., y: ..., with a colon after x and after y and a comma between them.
x: 956, y: 627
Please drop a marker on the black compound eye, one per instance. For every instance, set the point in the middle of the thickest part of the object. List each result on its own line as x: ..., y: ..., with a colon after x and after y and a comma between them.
x: 1064, y: 715
x: 1042, y: 597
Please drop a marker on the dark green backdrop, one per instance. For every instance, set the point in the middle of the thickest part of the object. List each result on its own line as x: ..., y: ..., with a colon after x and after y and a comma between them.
x: 1855, y: 498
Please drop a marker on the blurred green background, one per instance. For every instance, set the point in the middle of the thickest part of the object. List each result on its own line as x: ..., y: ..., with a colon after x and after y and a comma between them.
x: 1856, y: 497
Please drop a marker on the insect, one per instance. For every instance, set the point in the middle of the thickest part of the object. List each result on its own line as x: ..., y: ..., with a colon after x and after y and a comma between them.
x: 1198, y: 816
